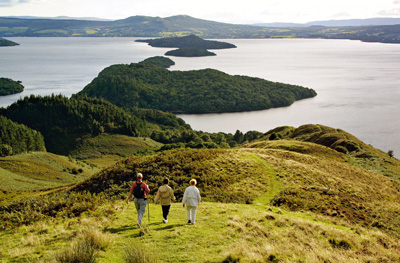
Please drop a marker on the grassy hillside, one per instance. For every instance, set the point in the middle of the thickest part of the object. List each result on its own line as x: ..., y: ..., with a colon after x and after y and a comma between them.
x: 22, y: 174
x: 105, y: 149
x: 263, y: 202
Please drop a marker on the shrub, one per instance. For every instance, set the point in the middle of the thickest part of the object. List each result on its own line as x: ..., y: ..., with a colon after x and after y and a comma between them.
x: 344, y: 244
x: 231, y: 259
x: 80, y: 251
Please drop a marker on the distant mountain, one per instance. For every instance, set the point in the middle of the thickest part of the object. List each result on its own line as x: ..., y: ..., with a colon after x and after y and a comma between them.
x: 333, y: 23
x: 144, y: 26
x: 59, y: 18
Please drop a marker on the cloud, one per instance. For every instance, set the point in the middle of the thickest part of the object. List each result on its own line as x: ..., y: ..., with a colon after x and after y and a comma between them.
x: 7, y: 3
x: 391, y: 12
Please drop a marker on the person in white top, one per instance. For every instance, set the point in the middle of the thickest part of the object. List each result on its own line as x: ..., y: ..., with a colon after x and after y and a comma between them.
x: 191, y: 198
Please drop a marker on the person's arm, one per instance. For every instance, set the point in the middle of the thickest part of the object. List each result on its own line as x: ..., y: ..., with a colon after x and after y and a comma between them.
x: 146, y: 189
x: 157, y: 196
x: 130, y: 193
x: 198, y: 196
x: 172, y: 194
x: 184, y: 197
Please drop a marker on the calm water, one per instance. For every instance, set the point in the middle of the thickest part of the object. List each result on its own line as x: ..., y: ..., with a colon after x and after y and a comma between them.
x: 358, y: 84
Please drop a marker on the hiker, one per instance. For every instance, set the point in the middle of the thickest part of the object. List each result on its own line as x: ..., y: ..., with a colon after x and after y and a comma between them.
x: 164, y: 195
x: 140, y: 190
x: 191, y: 198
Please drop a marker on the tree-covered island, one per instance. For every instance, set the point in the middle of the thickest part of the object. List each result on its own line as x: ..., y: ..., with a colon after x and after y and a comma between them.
x: 7, y: 43
x: 9, y: 86
x: 149, y: 86
x: 191, y: 41
x: 190, y: 52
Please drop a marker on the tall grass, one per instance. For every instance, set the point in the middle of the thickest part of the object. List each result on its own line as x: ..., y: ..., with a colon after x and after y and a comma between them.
x: 81, y: 251
x: 137, y: 253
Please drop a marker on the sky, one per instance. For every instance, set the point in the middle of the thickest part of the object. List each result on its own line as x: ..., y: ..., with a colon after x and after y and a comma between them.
x: 229, y: 11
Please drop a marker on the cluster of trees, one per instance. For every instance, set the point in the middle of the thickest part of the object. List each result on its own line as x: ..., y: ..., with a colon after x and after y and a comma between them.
x: 17, y: 138
x: 198, y: 91
x: 6, y: 43
x: 190, y: 52
x: 9, y: 86
x: 62, y: 120
x: 191, y: 41
x: 173, y: 132
x: 160, y: 61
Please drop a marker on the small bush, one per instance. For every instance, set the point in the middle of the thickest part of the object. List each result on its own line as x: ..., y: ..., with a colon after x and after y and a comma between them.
x: 232, y: 259
x: 135, y: 253
x: 344, y: 244
x: 80, y: 251
x: 96, y: 238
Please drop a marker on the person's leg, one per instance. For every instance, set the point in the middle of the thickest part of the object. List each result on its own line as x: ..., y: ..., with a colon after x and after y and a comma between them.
x: 165, y: 209
x: 188, y: 214
x: 142, y: 209
x: 193, y: 208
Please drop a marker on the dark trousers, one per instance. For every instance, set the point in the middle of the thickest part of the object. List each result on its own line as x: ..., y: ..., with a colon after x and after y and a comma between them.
x: 165, y: 211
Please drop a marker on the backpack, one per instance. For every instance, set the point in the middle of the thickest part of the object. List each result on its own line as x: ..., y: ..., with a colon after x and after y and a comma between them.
x: 138, y: 191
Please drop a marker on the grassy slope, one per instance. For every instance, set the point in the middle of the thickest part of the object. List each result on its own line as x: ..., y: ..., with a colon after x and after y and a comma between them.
x: 290, y: 218
x: 38, y: 171
x: 106, y: 149
x: 356, y: 222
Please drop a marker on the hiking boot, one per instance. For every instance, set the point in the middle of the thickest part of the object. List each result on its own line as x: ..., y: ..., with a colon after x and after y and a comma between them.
x: 189, y: 221
x: 165, y: 220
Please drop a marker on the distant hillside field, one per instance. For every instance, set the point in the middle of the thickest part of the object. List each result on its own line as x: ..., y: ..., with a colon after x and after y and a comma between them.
x: 197, y: 91
x: 182, y: 25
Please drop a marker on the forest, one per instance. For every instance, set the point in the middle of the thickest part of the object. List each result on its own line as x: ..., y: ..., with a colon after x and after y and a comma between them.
x: 197, y: 91
x: 17, y: 138
x: 9, y: 86
x: 61, y: 124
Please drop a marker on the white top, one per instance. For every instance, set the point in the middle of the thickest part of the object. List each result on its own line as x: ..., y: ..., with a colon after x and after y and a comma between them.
x: 191, y: 197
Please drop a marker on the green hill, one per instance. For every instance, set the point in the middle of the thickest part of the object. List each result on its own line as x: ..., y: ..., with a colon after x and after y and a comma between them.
x: 63, y: 121
x: 197, y: 91
x: 17, y: 138
x: 263, y: 202
x: 32, y: 173
x: 182, y: 25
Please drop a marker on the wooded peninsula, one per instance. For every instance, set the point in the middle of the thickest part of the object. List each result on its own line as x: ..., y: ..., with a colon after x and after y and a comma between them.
x: 149, y: 86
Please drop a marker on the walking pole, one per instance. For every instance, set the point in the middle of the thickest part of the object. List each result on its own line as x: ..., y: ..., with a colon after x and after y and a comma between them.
x: 148, y: 210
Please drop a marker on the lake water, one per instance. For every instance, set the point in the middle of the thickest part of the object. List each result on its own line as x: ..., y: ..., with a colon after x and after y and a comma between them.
x: 358, y: 84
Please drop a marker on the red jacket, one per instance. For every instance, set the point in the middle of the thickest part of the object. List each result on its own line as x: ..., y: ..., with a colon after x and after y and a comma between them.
x: 144, y: 186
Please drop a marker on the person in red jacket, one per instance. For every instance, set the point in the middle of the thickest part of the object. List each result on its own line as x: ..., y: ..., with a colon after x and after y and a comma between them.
x: 140, y: 190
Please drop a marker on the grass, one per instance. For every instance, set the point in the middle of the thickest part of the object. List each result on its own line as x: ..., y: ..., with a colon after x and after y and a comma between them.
x: 40, y: 171
x: 106, y: 149
x: 262, y: 202
x: 251, y: 233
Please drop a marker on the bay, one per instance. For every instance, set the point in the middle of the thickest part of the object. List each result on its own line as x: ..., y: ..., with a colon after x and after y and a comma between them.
x: 358, y: 84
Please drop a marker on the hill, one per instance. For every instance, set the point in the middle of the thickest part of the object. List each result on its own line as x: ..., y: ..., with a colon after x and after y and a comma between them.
x: 175, y: 26
x: 160, y: 61
x: 31, y: 174
x: 263, y: 202
x: 191, y: 41
x: 63, y: 121
x: 17, y: 138
x: 197, y: 91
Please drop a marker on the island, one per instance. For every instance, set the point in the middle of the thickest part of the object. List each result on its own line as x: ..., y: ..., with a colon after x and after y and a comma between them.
x: 191, y: 41
x: 9, y: 86
x: 7, y: 43
x: 160, y: 61
x: 190, y: 52
x: 149, y: 86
